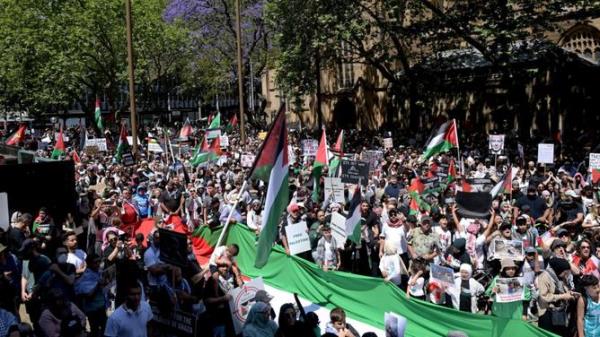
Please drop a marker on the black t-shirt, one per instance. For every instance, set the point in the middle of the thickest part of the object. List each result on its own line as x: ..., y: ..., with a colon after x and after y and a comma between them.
x: 568, y: 211
x: 537, y: 205
x: 15, y: 238
x: 38, y: 266
x: 465, y: 296
x: 171, y: 199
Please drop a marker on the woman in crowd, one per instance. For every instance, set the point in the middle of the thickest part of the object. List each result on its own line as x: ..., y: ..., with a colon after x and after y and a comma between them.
x: 259, y: 323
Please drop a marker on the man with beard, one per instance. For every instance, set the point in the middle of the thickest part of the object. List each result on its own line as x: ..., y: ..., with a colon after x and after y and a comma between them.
x: 569, y: 213
x: 171, y: 200
x: 537, y: 206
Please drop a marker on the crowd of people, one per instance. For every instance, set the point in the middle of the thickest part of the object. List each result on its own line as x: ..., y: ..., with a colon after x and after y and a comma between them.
x: 100, y: 281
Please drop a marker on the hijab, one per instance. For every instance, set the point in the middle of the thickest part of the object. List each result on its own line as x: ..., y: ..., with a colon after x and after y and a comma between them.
x: 259, y: 324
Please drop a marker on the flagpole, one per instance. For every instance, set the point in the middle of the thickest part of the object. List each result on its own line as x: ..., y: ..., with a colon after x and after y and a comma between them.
x: 229, y: 217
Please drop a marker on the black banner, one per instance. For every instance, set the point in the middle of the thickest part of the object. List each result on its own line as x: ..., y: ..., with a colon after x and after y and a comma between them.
x: 184, y: 323
x: 173, y: 247
x: 474, y: 204
x: 354, y: 171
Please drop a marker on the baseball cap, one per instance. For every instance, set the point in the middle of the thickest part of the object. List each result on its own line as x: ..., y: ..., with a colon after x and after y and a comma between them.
x: 262, y: 296
x: 293, y: 208
x: 426, y: 219
x: 530, y: 250
x: 561, y: 232
x: 557, y: 243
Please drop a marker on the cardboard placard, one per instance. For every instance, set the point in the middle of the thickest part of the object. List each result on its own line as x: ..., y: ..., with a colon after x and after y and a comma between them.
x: 334, y: 189
x: 297, y: 238
x: 128, y: 159
x: 444, y: 275
x: 545, y: 153
x: 4, y: 213
x: 388, y: 143
x: 173, y: 247
x: 496, y: 144
x: 130, y: 140
x: 247, y: 160
x: 99, y: 143
x: 309, y: 147
x: 511, y: 289
x: 242, y: 299
x: 595, y: 161
x: 338, y: 228
x: 354, y: 171
x: 507, y: 249
x: 154, y: 146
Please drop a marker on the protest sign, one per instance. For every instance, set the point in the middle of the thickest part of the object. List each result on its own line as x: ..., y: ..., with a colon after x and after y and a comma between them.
x: 507, y: 249
x: 354, y: 171
x: 297, y: 238
x: 154, y: 146
x: 444, y: 275
x: 178, y: 320
x: 388, y: 143
x: 496, y: 143
x: 173, y: 247
x: 510, y: 289
x: 213, y: 133
x: 595, y: 161
x: 130, y: 140
x: 338, y: 228
x: 395, y: 325
x: 224, y: 141
x: 247, y: 160
x: 474, y: 204
x: 545, y: 153
x: 334, y: 189
x: 128, y: 159
x: 309, y: 147
x: 4, y: 213
x: 242, y: 299
x: 99, y: 143
x: 373, y: 157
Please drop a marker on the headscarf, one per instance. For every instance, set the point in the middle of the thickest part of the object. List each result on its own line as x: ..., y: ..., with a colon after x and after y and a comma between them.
x: 467, y: 267
x: 258, y: 324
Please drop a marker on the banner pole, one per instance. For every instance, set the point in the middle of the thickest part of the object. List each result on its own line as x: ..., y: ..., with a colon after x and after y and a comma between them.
x: 219, y: 241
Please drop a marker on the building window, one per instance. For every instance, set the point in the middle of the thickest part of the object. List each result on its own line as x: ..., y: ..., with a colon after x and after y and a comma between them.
x: 345, y: 71
x: 584, y: 41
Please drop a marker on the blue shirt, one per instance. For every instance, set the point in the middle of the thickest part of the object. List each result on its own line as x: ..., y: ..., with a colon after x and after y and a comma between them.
x: 7, y: 321
x: 142, y: 204
x: 151, y: 258
x: 125, y: 322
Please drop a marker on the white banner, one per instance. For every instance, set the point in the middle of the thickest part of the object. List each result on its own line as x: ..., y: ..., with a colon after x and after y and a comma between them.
x: 130, y: 140
x: 297, y: 238
x: 154, y: 146
x: 546, y: 153
x: 4, y: 215
x: 224, y: 141
x: 309, y: 147
x: 242, y: 299
x: 595, y: 161
x: 334, y: 188
x: 496, y: 143
x: 338, y: 228
x: 100, y: 143
x: 509, y: 289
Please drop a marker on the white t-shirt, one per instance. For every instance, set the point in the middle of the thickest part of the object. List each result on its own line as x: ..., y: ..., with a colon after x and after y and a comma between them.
x: 417, y: 289
x: 397, y: 236
x: 328, y: 255
x: 391, y: 265
x: 77, y: 258
x: 217, y: 254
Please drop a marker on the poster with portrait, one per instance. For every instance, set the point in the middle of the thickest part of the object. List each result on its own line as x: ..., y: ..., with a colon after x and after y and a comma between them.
x: 509, y: 289
x: 242, y: 299
x: 395, y: 325
x: 442, y: 274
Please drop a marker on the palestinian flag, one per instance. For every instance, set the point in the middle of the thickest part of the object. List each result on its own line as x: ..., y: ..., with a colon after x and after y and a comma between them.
x: 59, y: 147
x: 204, y: 241
x: 98, y: 116
x: 414, y: 206
x: 17, y: 137
x: 353, y: 221
x: 466, y: 187
x: 321, y: 160
x: 75, y: 157
x: 339, y: 144
x: 271, y: 166
x: 444, y: 139
x: 451, y: 171
x: 504, y: 186
x: 595, y: 176
x: 186, y: 130
x: 416, y: 186
x: 233, y: 122
x: 123, y: 145
x: 215, y: 122
x: 213, y: 153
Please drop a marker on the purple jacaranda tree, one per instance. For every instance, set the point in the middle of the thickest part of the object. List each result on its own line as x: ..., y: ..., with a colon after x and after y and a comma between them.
x: 213, y: 30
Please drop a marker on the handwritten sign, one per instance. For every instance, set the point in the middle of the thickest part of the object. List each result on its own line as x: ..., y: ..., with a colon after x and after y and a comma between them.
x: 334, y: 189
x: 545, y: 153
x: 297, y: 238
x: 595, y: 161
x: 309, y: 147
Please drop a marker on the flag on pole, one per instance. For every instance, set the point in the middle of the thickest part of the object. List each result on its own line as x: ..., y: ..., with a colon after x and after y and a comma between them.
x: 504, y: 186
x: 451, y: 171
x: 444, y: 139
x: 59, y: 147
x: 186, y: 130
x: 75, y: 157
x: 321, y: 160
x: 339, y: 144
x: 271, y: 165
x: 215, y: 123
x: 212, y: 153
x: 18, y: 136
x: 354, y: 218
x: 338, y: 153
x: 123, y: 145
x: 233, y: 122
x: 98, y: 116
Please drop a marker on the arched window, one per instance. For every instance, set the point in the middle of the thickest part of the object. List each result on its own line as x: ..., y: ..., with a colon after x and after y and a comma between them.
x: 583, y: 40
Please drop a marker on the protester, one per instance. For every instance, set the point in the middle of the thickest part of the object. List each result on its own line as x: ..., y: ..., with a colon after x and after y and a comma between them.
x: 259, y: 323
